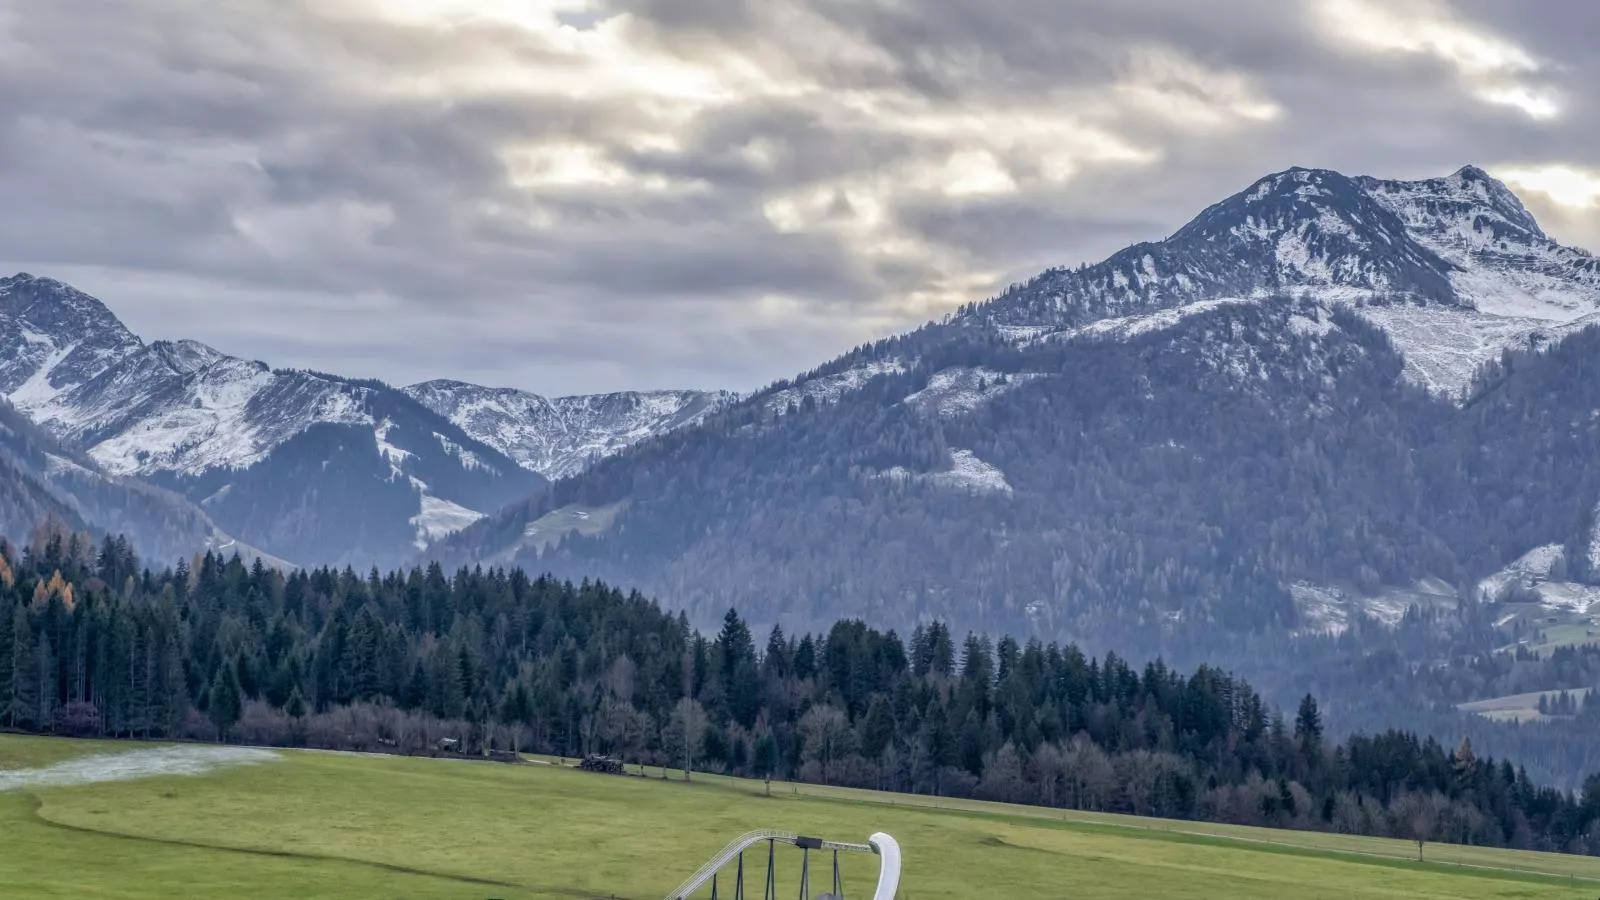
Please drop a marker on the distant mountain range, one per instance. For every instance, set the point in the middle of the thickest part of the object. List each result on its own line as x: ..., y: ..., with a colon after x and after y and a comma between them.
x: 1325, y: 400
x: 562, y: 436
x: 316, y: 467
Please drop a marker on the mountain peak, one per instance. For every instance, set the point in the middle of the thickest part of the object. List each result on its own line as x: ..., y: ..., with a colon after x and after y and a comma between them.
x: 1494, y: 193
x: 1463, y: 240
x: 1296, y: 180
x: 187, y: 356
x: 57, y: 309
x: 1467, y: 200
x: 53, y: 336
x: 444, y: 384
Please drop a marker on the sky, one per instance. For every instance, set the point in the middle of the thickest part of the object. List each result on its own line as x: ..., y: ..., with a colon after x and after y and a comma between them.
x: 574, y: 196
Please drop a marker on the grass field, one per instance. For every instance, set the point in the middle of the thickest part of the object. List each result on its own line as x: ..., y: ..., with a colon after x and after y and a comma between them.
x: 341, y: 826
x: 557, y: 524
x: 1518, y: 707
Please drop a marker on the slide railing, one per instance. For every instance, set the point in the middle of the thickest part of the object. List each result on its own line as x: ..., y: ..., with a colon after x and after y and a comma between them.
x: 882, y: 845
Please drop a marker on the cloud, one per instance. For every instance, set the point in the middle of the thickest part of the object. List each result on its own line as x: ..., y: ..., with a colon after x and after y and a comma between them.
x: 1565, y: 185
x: 574, y: 195
x: 1495, y: 69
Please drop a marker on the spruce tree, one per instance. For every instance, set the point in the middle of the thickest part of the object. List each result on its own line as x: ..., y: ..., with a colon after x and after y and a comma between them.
x: 8, y: 647
x: 225, y: 702
x: 296, y: 706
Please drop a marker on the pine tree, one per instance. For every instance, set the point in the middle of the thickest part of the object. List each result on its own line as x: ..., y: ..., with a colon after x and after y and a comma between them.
x: 296, y: 707
x: 8, y: 648
x: 172, y: 693
x: 23, y: 708
x: 225, y: 701
x: 49, y: 693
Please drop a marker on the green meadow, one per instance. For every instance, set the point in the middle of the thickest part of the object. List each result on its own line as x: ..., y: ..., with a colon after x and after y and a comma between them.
x: 308, y: 824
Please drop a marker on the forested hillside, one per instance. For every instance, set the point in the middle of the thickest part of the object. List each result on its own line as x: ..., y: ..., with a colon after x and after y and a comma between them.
x: 95, y: 645
x: 1130, y: 493
x: 42, y: 479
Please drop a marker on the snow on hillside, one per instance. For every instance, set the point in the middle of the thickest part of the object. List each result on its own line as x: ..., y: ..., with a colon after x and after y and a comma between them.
x: 1538, y: 571
x: 1507, y: 266
x: 960, y: 390
x: 966, y: 473
x: 971, y: 473
x: 559, y: 437
x: 394, y: 456
x: 439, y: 517
x: 221, y: 421
x: 1125, y: 327
x: 1325, y: 609
x: 1444, y: 346
x: 826, y: 389
x: 1530, y: 568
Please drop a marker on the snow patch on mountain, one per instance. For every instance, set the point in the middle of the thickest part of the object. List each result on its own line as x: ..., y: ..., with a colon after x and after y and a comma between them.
x: 1323, y: 609
x: 439, y: 517
x: 966, y: 473
x: 961, y: 390
x: 56, y: 465
x: 1537, y: 571
x: 1326, y: 609
x: 1126, y: 327
x: 1305, y: 319
x: 825, y: 389
x: 395, y: 456
x: 1024, y: 334
x: 1444, y: 346
x: 969, y: 472
x: 37, y: 390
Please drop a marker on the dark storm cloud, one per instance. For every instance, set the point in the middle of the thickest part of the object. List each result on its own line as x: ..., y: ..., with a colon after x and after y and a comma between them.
x: 572, y: 196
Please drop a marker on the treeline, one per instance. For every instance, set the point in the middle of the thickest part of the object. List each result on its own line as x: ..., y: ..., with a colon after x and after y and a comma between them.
x: 93, y: 644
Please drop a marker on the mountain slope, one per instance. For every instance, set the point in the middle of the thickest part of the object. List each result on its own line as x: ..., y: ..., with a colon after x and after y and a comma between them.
x: 40, y: 479
x: 1144, y: 451
x: 558, y: 437
x: 1453, y: 268
x: 375, y: 472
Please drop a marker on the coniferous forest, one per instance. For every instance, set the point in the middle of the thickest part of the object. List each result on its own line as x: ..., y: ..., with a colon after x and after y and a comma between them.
x: 92, y: 643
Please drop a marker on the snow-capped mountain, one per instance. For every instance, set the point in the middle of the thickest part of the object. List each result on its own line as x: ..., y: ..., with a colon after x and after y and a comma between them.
x: 314, y: 467
x: 1453, y: 268
x: 558, y: 437
x: 1184, y: 432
